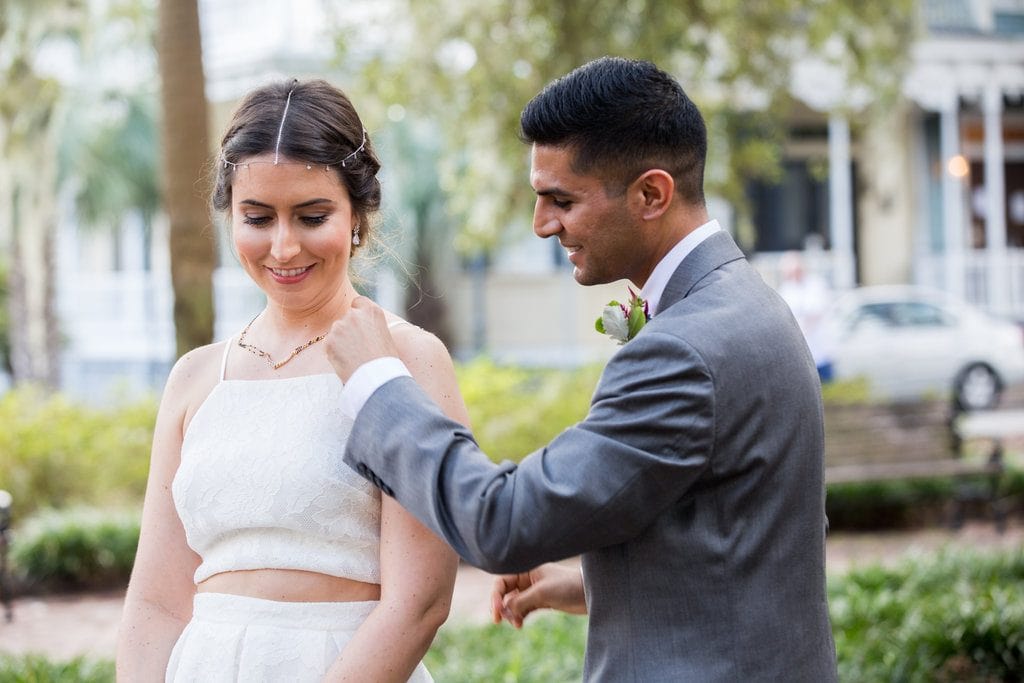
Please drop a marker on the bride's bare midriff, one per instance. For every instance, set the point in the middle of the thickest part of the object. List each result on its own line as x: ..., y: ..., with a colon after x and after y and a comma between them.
x: 290, y: 585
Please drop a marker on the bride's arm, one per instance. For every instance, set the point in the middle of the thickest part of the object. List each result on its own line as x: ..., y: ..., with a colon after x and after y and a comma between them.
x: 158, y: 602
x: 417, y: 568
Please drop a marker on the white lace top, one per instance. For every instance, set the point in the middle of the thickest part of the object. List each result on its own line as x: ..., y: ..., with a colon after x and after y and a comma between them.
x: 261, y: 484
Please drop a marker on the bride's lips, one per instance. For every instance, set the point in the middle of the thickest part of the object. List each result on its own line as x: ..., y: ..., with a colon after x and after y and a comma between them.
x: 289, y: 276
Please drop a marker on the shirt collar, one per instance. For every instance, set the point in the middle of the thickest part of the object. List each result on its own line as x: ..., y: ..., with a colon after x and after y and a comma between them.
x: 656, y: 283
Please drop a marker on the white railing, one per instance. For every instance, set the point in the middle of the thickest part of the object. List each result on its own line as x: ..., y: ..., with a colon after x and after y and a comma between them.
x: 977, y: 276
x: 981, y: 272
x: 817, y: 262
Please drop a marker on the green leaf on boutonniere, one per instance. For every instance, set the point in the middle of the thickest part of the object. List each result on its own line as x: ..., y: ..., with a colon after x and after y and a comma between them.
x: 622, y: 322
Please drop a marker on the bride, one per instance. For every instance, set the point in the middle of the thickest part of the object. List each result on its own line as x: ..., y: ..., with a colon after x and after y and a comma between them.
x: 260, y: 558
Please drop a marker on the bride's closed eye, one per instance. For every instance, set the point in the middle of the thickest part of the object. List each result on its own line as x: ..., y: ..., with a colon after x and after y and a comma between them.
x: 257, y: 221
x: 313, y: 221
x: 309, y: 221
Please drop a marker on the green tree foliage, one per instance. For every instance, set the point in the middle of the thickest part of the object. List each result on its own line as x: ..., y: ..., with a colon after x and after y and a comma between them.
x: 55, y: 128
x: 115, y: 160
x: 109, y: 143
x: 473, y: 67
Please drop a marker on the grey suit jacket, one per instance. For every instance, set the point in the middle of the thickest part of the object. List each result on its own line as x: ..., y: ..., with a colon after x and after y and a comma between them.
x: 693, y: 489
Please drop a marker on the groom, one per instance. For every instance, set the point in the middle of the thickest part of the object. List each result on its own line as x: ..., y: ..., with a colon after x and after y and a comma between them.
x: 693, y: 489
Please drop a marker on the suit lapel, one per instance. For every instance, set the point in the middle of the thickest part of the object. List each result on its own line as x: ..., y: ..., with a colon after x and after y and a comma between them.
x: 712, y: 253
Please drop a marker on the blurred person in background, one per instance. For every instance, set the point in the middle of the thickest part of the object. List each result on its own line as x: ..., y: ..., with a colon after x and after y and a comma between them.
x: 259, y: 559
x: 808, y: 296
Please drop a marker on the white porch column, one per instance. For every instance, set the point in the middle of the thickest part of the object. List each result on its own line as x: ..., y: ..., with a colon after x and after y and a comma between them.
x: 995, y: 200
x: 840, y: 189
x: 952, y: 196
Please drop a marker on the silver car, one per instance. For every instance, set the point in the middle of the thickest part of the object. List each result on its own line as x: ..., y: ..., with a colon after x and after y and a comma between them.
x: 910, y: 342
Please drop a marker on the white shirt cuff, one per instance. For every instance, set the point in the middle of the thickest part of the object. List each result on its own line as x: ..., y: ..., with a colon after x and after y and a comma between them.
x: 368, y: 378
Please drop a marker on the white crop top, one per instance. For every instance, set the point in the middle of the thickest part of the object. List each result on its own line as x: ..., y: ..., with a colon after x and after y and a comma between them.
x: 261, y: 484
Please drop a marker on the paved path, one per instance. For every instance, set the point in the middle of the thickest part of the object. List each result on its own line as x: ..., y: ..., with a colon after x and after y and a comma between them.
x: 62, y: 627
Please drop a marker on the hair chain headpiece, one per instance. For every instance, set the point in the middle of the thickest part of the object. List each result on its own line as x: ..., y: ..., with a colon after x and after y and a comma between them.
x: 280, y: 129
x: 326, y: 167
x: 356, y: 151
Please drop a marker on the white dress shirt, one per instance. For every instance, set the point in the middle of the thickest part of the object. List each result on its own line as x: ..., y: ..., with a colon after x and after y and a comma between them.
x: 373, y: 374
x: 368, y: 378
x: 656, y: 283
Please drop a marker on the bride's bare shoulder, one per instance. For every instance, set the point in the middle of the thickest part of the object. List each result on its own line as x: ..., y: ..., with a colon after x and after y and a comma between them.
x: 192, y: 379
x: 416, y: 345
x: 431, y: 366
x: 199, y: 362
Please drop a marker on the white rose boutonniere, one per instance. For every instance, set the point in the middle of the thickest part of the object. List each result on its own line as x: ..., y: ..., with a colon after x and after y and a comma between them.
x: 622, y: 322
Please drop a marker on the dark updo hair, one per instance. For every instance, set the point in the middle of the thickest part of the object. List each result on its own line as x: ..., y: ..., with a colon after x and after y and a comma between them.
x: 321, y: 128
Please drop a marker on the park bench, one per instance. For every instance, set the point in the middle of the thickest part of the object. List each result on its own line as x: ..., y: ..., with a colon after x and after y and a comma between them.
x: 922, y: 440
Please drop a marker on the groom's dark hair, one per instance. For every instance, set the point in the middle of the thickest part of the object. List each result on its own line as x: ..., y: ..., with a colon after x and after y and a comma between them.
x: 622, y: 117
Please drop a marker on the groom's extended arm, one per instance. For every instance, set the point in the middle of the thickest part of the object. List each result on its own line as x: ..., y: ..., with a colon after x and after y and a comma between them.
x: 645, y: 440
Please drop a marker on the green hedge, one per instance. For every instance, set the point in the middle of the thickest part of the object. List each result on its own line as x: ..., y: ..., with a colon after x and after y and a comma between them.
x: 38, y: 669
x: 846, y: 392
x: 875, y: 505
x: 74, y: 548
x: 55, y: 452
x: 948, y: 617
x: 548, y: 649
x: 513, y: 411
x: 86, y: 547
x: 953, y: 616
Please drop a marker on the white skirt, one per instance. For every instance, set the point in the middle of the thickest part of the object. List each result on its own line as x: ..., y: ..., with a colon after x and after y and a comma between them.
x: 238, y: 638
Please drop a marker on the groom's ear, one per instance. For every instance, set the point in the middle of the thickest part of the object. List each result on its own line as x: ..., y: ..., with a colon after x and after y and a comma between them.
x: 653, y: 190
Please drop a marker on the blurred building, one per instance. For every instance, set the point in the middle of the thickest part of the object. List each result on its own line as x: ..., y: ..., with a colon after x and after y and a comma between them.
x: 932, y: 193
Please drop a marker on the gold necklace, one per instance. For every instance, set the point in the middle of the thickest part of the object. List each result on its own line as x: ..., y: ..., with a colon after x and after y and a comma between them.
x: 266, y: 356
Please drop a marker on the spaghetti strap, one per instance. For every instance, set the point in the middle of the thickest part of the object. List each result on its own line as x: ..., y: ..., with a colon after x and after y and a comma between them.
x: 395, y: 323
x: 224, y: 361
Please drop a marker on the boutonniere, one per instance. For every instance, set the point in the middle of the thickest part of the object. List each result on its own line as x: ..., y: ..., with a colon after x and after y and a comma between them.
x: 622, y: 322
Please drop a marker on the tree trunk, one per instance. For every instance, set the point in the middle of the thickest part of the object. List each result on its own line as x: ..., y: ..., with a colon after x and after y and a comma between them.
x: 7, y: 257
x: 184, y: 136
x: 423, y: 305
x: 34, y: 329
x: 34, y: 333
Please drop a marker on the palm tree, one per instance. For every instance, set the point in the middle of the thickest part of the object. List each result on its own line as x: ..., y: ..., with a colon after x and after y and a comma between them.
x: 30, y: 118
x: 185, y: 154
x: 115, y: 164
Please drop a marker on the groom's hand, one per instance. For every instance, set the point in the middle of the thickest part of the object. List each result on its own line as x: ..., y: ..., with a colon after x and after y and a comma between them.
x: 554, y: 586
x: 361, y: 335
